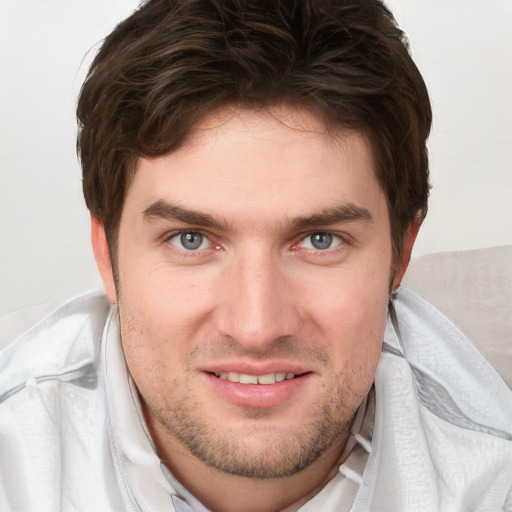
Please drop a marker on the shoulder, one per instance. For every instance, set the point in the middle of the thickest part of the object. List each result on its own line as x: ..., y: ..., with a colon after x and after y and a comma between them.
x: 50, y: 340
x: 52, y: 408
x: 443, y: 422
x: 441, y: 357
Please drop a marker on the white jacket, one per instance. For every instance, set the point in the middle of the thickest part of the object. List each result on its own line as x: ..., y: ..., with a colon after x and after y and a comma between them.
x: 72, y: 437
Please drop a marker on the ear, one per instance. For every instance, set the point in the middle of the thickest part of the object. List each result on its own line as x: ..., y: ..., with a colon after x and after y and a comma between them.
x: 102, y: 256
x: 407, y: 244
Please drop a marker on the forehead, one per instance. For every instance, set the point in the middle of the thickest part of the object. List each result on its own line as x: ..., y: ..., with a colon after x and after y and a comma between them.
x: 279, y: 161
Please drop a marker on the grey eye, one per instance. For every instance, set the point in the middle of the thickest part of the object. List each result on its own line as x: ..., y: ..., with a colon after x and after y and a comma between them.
x: 321, y: 241
x: 189, y: 241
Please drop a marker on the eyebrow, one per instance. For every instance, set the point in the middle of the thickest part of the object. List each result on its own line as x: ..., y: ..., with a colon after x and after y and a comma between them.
x: 166, y: 211
x: 341, y: 214
x: 349, y: 212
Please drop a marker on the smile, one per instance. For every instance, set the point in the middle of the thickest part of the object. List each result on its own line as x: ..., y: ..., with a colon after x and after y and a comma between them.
x: 259, y: 389
x: 242, y: 378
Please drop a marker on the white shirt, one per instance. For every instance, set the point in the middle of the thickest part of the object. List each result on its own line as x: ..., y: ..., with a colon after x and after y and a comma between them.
x: 72, y: 437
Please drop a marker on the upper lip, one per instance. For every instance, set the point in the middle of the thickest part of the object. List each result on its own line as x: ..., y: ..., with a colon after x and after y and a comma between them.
x: 256, y: 368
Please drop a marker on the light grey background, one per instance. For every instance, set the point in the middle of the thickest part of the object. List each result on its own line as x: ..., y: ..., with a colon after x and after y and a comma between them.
x: 463, y: 48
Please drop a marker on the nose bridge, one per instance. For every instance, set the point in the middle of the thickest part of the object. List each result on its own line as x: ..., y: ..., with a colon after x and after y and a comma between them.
x: 259, y: 308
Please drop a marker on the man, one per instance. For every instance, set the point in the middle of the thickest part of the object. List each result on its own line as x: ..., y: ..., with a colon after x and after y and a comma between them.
x: 256, y: 174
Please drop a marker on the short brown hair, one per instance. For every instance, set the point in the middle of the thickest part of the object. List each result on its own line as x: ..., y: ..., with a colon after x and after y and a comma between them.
x: 174, y: 61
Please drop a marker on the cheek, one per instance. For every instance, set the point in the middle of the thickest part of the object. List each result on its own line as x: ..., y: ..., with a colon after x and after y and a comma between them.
x: 356, y: 341
x: 352, y: 300
x: 351, y: 314
x: 153, y: 352
x: 161, y: 315
x: 166, y: 301
x: 356, y: 328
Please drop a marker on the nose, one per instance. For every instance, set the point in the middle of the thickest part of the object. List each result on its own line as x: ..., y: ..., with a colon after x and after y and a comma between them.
x: 258, y: 307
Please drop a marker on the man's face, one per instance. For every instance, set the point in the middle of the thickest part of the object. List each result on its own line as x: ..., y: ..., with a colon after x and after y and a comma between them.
x: 258, y: 252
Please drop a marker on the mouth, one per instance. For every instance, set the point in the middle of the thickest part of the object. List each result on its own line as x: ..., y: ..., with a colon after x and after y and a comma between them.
x: 264, y: 380
x: 258, y: 389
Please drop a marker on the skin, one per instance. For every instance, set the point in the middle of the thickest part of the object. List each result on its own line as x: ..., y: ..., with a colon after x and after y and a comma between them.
x: 256, y: 296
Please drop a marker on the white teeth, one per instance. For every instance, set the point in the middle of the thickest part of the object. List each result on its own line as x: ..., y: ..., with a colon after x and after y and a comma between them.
x: 248, y: 379
x: 270, y: 378
x: 242, y: 378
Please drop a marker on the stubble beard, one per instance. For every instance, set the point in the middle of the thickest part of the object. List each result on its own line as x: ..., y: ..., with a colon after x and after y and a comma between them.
x: 261, y: 455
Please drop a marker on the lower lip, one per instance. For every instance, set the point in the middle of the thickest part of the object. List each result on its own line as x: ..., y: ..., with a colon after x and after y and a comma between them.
x: 257, y: 395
